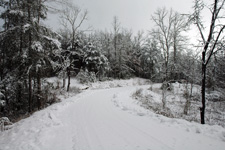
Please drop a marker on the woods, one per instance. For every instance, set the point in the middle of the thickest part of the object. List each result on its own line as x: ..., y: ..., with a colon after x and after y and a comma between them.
x: 30, y: 52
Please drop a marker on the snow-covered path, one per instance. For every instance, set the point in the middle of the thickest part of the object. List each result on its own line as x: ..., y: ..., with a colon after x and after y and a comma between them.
x: 102, y: 126
x: 107, y: 119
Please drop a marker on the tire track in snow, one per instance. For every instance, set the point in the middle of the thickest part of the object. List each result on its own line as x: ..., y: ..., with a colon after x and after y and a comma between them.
x: 116, y: 127
x: 127, y: 124
x: 92, y: 121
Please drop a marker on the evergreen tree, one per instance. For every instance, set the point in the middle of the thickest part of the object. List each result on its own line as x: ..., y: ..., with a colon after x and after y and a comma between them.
x: 151, y: 60
x: 27, y: 48
x: 94, y: 60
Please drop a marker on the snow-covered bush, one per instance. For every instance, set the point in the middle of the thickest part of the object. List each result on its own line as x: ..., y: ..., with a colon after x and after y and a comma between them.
x: 2, y: 103
x: 94, y: 60
x: 196, y: 97
x: 179, y: 103
x: 215, y: 96
x: 167, y: 86
x: 186, y: 95
x: 147, y: 101
x: 4, y: 121
x: 1, y: 95
x: 138, y: 93
x: 86, y: 76
x: 75, y: 90
x: 50, y: 93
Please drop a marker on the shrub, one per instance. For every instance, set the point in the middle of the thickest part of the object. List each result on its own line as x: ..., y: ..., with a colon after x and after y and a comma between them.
x: 75, y: 90
x: 167, y: 86
x: 86, y: 76
x: 138, y: 93
x: 4, y: 121
x: 50, y: 93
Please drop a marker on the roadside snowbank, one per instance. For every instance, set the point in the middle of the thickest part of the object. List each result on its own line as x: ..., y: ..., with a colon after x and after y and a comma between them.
x: 125, y: 102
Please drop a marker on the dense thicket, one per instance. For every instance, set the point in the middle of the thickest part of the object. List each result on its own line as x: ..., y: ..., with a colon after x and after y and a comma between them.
x: 27, y: 52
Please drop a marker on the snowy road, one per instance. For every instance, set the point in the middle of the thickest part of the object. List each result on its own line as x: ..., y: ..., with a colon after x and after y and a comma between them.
x: 107, y: 119
x: 102, y: 126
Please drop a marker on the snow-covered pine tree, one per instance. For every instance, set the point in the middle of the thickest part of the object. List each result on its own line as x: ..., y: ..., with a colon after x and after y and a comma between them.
x: 134, y: 57
x: 125, y: 53
x: 94, y: 60
x: 151, y: 60
x: 27, y: 47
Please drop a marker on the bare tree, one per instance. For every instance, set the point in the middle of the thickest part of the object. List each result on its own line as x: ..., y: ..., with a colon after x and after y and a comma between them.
x: 168, y: 34
x: 115, y: 43
x: 72, y: 18
x: 179, y: 25
x: 116, y: 29
x: 163, y: 34
x: 209, y: 42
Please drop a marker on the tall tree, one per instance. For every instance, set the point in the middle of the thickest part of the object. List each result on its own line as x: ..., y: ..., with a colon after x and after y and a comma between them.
x: 125, y: 53
x: 209, y: 42
x: 94, y: 60
x: 168, y: 34
x: 116, y: 42
x: 72, y: 18
x: 136, y: 53
x: 151, y: 60
x: 29, y: 51
x: 179, y: 26
x: 163, y: 34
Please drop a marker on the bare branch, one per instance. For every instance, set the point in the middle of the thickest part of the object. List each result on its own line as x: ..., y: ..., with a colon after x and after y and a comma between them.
x: 215, y: 43
x: 73, y: 18
x: 84, y: 17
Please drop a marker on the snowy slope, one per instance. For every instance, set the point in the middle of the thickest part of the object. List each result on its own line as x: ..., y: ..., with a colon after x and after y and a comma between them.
x: 108, y: 119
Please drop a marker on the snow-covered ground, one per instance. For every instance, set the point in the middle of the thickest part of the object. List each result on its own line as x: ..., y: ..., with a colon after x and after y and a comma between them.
x: 175, y: 102
x: 105, y: 118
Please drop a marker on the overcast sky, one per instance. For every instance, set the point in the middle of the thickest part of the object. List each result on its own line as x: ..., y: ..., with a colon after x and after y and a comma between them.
x: 132, y: 14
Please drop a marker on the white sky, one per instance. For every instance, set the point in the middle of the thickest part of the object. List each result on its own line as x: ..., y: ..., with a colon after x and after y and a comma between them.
x: 132, y: 14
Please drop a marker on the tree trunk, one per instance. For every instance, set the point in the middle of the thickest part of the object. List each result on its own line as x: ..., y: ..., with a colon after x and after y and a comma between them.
x: 6, y: 95
x: 120, y: 64
x: 64, y: 82
x: 30, y: 60
x: 30, y: 93
x: 115, y: 45
x: 68, y: 74
x: 166, y: 71
x: 19, y: 90
x: 202, y: 109
x: 39, y: 88
x: 108, y: 56
x: 19, y: 95
x: 2, y: 65
x: 175, y: 59
x: 64, y: 79
x: 191, y: 90
x: 151, y: 69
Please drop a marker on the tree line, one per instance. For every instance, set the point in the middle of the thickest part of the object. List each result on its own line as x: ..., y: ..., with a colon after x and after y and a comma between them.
x: 31, y: 52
